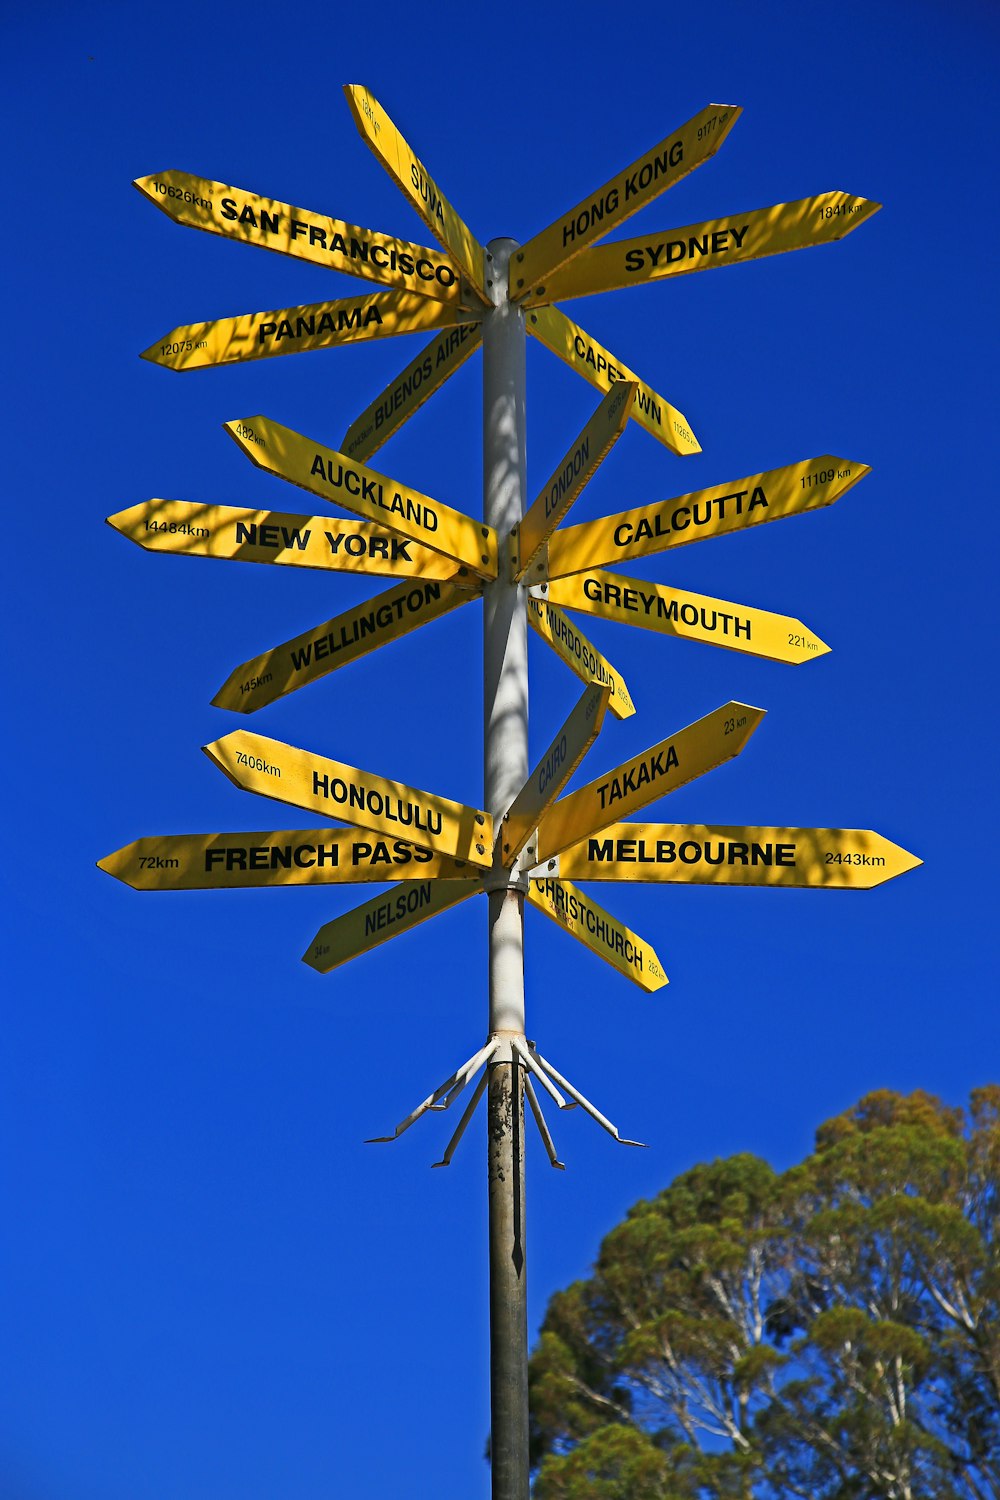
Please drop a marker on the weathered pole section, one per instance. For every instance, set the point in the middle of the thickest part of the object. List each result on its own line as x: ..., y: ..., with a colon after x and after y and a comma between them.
x: 505, y: 709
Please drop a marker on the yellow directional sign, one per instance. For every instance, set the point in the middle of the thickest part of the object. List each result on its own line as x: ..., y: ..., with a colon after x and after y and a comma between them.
x: 273, y: 769
x: 342, y: 481
x: 594, y: 363
x: 789, y: 491
x: 295, y: 856
x: 411, y: 388
x: 696, y: 854
x: 579, y: 655
x: 336, y: 643
x: 573, y: 472
x: 202, y: 204
x: 401, y: 908
x: 553, y: 770
x: 692, y: 617
x: 416, y: 183
x: 275, y: 536
x: 699, y: 247
x: 602, y: 933
x: 628, y: 191
x: 674, y: 762
x: 294, y: 330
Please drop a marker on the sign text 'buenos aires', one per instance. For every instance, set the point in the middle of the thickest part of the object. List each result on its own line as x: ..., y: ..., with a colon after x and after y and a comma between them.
x: 271, y: 768
x: 291, y: 856
x: 201, y: 203
x: 405, y: 395
x: 343, y: 481
x: 689, y: 753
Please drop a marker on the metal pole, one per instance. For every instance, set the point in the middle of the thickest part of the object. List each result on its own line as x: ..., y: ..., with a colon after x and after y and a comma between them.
x: 505, y: 707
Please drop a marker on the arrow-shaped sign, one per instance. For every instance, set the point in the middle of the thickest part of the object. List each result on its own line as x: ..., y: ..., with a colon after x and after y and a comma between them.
x: 295, y: 330
x: 691, y: 617
x: 416, y: 183
x: 725, y: 508
x: 699, y: 854
x: 597, y: 929
x: 273, y: 769
x: 596, y: 215
x: 591, y: 360
x: 295, y: 856
x: 273, y: 536
x: 412, y: 387
x: 699, y: 247
x: 674, y: 762
x: 336, y: 643
x: 583, y: 658
x: 572, y: 473
x: 553, y: 771
x: 201, y: 203
x: 398, y: 910
x: 343, y: 481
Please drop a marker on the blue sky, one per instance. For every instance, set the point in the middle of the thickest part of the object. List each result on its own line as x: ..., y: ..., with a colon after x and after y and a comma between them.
x: 212, y: 1287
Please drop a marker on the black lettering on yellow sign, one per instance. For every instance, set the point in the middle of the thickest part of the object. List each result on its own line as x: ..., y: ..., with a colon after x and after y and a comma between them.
x: 361, y: 624
x: 654, y: 606
x: 682, y: 517
x: 639, y: 774
x: 339, y: 320
x: 572, y: 905
x: 731, y: 852
x: 398, y: 907
x: 633, y: 185
x: 342, y: 476
x: 355, y: 795
x: 691, y: 247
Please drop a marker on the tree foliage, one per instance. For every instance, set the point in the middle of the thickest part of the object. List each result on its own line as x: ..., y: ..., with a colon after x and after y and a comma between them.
x: 831, y: 1332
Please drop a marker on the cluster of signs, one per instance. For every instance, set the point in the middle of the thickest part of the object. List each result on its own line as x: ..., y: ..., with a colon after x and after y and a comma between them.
x: 438, y: 558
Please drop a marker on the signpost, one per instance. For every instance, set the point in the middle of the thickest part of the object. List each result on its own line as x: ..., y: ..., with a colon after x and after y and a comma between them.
x: 202, y: 204
x: 294, y: 856
x: 295, y: 330
x: 699, y: 247
x: 693, y: 617
x: 255, y: 763
x: 850, y: 859
x: 602, y: 369
x: 524, y: 844
x: 274, y: 536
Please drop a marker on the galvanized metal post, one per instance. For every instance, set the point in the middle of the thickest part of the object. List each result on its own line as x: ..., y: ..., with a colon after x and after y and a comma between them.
x: 505, y: 707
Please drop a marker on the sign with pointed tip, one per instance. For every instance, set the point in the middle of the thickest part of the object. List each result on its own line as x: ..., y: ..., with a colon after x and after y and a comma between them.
x: 623, y: 195
x: 398, y: 910
x: 201, y: 203
x: 424, y: 375
x: 702, y: 746
x: 573, y: 472
x: 416, y: 183
x: 601, y: 369
x: 273, y: 536
x: 296, y: 330
x: 583, y: 658
x: 567, y: 906
x: 699, y: 247
x: 699, y: 854
x: 295, y: 856
x: 690, y: 617
x: 553, y: 771
x: 343, y: 481
x: 270, y: 768
x: 725, y: 508
x: 336, y: 643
